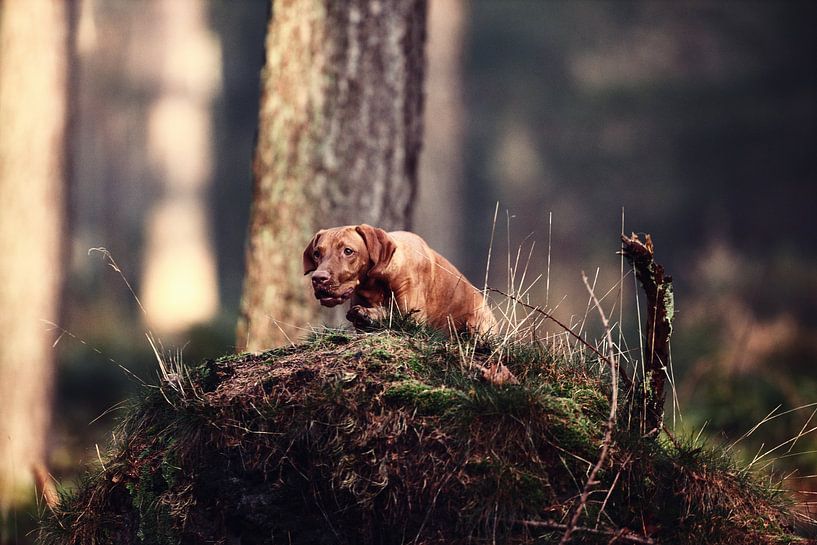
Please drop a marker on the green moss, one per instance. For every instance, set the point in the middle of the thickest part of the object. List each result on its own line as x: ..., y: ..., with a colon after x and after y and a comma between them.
x: 426, y: 399
x: 337, y: 337
x: 532, y: 489
x: 591, y: 401
x: 570, y: 426
x: 155, y: 521
x: 170, y: 467
x: 381, y: 354
x: 669, y: 303
x: 416, y: 364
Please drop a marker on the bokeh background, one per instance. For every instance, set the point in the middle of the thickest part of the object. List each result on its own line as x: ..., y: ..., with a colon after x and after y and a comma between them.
x: 697, y: 119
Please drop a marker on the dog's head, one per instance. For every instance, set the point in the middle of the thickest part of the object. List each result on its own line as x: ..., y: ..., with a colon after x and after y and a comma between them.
x: 342, y: 257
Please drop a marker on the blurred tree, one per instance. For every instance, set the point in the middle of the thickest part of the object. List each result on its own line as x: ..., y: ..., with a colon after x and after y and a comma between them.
x: 33, y: 95
x: 439, y: 213
x: 179, y: 286
x: 241, y: 27
x: 338, y: 143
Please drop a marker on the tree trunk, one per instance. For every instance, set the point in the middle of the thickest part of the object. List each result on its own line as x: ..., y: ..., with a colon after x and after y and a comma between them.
x: 179, y: 285
x: 340, y: 126
x: 33, y: 56
x: 439, y: 216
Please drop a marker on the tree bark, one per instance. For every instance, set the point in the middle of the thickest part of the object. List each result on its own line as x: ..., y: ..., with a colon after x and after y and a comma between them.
x: 33, y: 90
x: 340, y: 127
x: 648, y: 394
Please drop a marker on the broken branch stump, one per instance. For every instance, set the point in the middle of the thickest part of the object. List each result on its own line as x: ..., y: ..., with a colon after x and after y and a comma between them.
x: 648, y: 395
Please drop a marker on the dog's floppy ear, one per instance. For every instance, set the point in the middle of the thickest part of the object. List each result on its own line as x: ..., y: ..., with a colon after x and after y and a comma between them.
x: 309, y: 261
x: 380, y: 245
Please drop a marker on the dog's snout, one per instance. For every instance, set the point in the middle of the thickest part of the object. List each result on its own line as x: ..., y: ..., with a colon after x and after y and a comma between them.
x: 320, y: 277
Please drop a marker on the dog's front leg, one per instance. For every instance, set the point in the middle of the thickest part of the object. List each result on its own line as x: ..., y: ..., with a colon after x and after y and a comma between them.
x: 364, y: 318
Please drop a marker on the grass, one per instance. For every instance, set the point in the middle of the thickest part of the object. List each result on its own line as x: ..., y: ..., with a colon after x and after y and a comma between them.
x: 392, y: 437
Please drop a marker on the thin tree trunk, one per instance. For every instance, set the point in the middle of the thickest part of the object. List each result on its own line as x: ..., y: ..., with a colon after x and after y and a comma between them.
x: 439, y: 216
x: 33, y: 66
x: 179, y: 285
x: 340, y: 126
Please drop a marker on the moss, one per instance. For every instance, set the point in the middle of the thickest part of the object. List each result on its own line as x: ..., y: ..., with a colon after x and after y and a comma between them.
x: 425, y: 399
x: 576, y: 439
x: 591, y: 401
x: 336, y: 337
x: 170, y: 467
x: 155, y: 521
x: 381, y: 354
x: 506, y: 479
x: 416, y: 364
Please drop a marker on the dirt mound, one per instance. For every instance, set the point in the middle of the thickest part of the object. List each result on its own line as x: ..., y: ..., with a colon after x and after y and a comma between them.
x: 391, y: 437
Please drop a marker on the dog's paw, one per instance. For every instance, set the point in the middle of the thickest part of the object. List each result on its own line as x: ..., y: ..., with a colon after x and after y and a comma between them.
x: 361, y: 317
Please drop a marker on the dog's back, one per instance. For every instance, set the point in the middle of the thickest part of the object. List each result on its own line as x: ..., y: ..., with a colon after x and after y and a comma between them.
x: 450, y: 299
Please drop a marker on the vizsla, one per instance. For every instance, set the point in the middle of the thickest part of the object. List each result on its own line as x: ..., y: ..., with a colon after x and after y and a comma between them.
x: 376, y: 269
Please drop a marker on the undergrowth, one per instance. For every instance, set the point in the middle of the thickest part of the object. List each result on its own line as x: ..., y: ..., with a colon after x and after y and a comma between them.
x: 392, y: 437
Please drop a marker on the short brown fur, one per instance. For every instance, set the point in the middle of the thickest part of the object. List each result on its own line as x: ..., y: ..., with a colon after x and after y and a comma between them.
x: 376, y: 269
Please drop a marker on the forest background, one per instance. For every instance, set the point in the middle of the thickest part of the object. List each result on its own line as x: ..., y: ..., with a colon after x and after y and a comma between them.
x: 698, y: 119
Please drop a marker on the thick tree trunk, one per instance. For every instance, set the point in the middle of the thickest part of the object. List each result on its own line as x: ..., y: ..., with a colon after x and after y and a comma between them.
x: 340, y: 126
x: 33, y: 61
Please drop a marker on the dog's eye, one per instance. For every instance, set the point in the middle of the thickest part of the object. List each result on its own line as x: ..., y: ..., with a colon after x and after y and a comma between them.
x: 348, y: 251
x: 316, y: 254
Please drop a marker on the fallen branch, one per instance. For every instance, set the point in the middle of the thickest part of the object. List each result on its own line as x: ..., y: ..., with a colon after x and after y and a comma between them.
x: 649, y: 408
x: 623, y: 534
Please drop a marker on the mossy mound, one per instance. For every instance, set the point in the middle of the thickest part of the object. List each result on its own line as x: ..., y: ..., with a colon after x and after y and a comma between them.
x: 389, y: 438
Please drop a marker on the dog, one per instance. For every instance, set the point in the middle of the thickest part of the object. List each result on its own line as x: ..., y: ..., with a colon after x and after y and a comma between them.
x: 377, y: 271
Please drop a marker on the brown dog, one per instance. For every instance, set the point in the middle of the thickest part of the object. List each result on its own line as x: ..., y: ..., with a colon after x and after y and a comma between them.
x: 376, y: 269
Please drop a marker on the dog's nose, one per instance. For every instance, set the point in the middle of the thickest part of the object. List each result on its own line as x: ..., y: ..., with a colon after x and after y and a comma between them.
x: 320, y: 277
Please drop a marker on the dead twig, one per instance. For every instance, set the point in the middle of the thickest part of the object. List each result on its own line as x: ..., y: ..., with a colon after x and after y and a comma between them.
x: 623, y: 534
x: 611, y: 421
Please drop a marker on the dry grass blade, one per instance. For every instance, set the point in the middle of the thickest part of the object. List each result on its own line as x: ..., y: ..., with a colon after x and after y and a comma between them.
x: 569, y: 331
x: 611, y: 421
x: 550, y: 237
x: 490, y: 249
x: 64, y: 332
x: 773, y: 414
x: 801, y: 432
x: 760, y: 456
x: 112, y: 264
